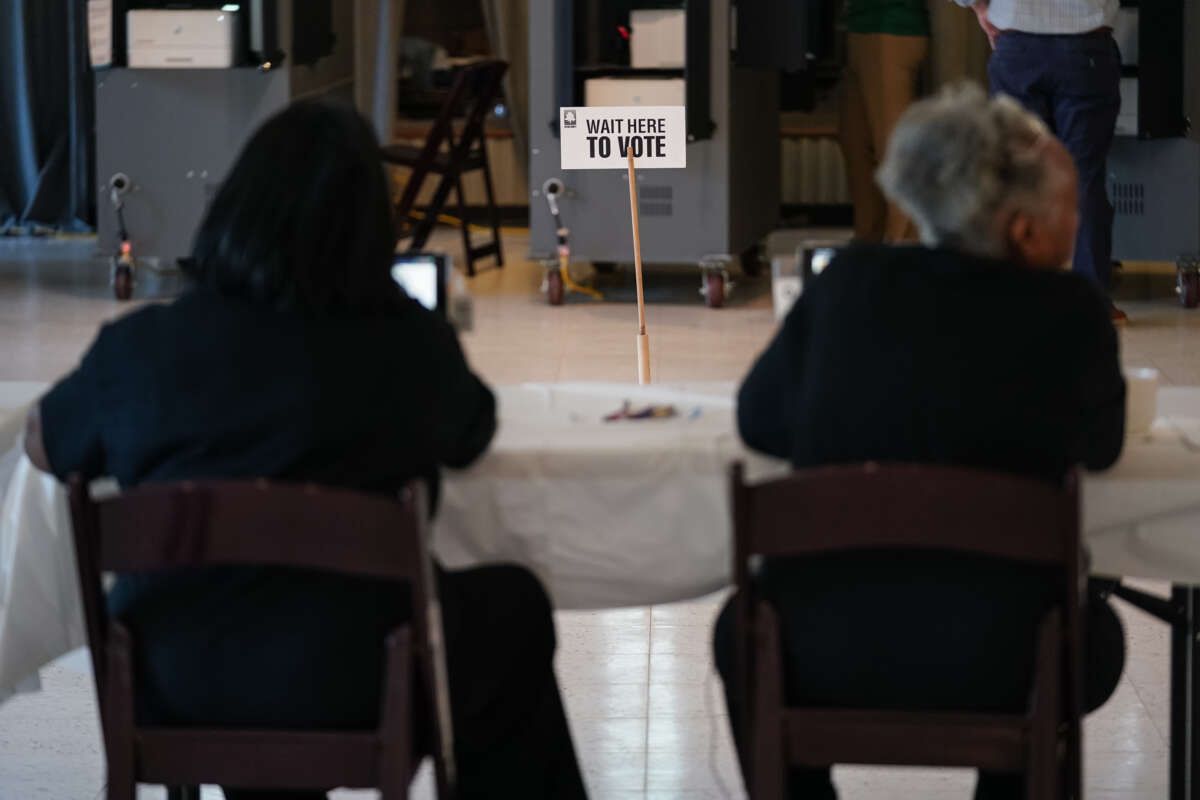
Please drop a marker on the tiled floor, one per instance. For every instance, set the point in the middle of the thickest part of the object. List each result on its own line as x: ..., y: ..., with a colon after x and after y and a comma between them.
x: 645, y: 708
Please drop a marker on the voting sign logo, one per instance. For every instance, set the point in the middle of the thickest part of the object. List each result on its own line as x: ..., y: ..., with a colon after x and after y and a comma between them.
x: 569, y: 118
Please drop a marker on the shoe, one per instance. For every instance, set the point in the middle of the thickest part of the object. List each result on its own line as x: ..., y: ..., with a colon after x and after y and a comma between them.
x: 1119, y: 317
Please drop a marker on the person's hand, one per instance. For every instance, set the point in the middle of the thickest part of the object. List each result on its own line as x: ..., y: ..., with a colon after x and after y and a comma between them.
x: 981, y: 13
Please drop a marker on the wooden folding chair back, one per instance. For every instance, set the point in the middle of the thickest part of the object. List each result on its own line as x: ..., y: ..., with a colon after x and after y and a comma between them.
x: 921, y: 508
x: 451, y: 156
x: 266, y: 524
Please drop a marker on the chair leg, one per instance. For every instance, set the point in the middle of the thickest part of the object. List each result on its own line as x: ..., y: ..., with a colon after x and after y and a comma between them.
x: 120, y: 789
x: 117, y: 712
x: 1071, y: 779
x: 395, y: 728
x: 768, y: 763
x: 408, y: 196
x: 425, y: 227
x: 466, y: 227
x: 1045, y: 769
x: 183, y: 793
x: 493, y: 209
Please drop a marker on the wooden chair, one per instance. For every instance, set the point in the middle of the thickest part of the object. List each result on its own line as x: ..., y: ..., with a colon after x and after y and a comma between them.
x: 909, y: 507
x: 478, y: 86
x: 259, y: 523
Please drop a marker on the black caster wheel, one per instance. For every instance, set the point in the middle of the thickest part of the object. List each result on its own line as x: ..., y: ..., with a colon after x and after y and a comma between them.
x: 123, y: 282
x: 554, y: 287
x: 752, y: 263
x: 605, y: 267
x: 1189, y: 287
x: 714, y: 284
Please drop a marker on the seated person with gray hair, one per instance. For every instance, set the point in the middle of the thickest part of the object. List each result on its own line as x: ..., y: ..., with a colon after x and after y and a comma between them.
x: 978, y: 349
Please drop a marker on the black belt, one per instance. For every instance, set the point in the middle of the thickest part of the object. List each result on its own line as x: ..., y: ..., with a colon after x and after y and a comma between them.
x: 1102, y: 32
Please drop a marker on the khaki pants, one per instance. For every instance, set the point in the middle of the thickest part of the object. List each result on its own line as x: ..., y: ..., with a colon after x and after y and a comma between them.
x: 880, y: 83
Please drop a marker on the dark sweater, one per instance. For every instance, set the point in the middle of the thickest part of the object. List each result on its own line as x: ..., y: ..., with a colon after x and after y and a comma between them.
x: 911, y: 354
x: 215, y: 387
x: 210, y: 386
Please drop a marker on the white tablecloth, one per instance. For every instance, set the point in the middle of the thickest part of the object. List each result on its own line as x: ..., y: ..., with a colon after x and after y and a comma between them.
x: 607, y: 514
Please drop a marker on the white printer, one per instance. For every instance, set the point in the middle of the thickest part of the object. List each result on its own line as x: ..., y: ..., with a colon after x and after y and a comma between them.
x: 183, y: 39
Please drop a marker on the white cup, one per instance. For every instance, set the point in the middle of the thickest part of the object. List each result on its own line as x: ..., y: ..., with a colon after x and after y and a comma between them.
x: 786, y: 284
x: 1141, y: 400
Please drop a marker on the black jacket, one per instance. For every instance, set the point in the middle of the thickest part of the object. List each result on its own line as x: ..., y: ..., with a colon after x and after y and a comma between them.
x: 217, y: 387
x: 912, y: 354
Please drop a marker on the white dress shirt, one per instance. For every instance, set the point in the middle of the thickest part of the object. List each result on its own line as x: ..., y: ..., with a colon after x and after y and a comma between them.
x: 1050, y: 16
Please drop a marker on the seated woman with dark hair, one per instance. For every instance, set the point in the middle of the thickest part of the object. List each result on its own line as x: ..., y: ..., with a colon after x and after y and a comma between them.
x: 296, y: 357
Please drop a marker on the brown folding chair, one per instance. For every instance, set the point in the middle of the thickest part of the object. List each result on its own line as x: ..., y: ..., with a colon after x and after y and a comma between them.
x: 929, y: 508
x: 260, y: 523
x: 443, y: 154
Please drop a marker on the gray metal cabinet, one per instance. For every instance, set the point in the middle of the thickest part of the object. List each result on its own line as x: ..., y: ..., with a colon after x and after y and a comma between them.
x: 726, y: 200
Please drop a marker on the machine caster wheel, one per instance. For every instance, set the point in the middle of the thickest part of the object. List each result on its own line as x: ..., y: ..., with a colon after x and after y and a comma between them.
x: 1189, y: 286
x: 554, y: 287
x: 605, y: 267
x: 122, y: 282
x: 752, y: 263
x: 714, y: 285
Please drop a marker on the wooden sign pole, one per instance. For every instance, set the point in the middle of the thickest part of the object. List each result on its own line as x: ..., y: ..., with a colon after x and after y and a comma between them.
x: 643, y: 341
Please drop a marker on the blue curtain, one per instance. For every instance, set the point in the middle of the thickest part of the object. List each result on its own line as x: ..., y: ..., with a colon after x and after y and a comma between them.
x: 46, y: 116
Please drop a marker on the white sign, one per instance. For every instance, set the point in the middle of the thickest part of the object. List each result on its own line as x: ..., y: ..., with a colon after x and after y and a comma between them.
x: 600, y: 137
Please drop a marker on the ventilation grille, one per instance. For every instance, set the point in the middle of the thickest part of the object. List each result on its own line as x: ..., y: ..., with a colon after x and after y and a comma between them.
x: 1128, y: 199
x: 656, y: 201
x: 813, y: 171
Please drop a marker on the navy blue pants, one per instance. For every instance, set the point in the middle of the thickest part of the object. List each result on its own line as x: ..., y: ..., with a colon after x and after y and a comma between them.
x: 1073, y: 83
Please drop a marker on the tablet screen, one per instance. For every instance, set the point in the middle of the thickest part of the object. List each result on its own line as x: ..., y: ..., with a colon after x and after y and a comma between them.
x: 420, y: 278
x: 821, y: 258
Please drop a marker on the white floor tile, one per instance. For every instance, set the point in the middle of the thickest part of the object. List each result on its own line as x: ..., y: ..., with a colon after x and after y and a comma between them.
x: 605, y: 700
x: 692, y: 640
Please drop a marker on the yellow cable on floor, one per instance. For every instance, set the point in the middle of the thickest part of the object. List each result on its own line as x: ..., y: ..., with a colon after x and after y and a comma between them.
x: 572, y: 285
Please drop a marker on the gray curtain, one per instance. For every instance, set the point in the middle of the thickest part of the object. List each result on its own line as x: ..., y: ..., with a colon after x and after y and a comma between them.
x: 46, y: 115
x: 508, y: 33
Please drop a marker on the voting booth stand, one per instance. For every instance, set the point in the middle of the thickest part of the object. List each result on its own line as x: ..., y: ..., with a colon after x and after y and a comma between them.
x: 1154, y: 165
x: 594, y: 53
x: 175, y: 106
